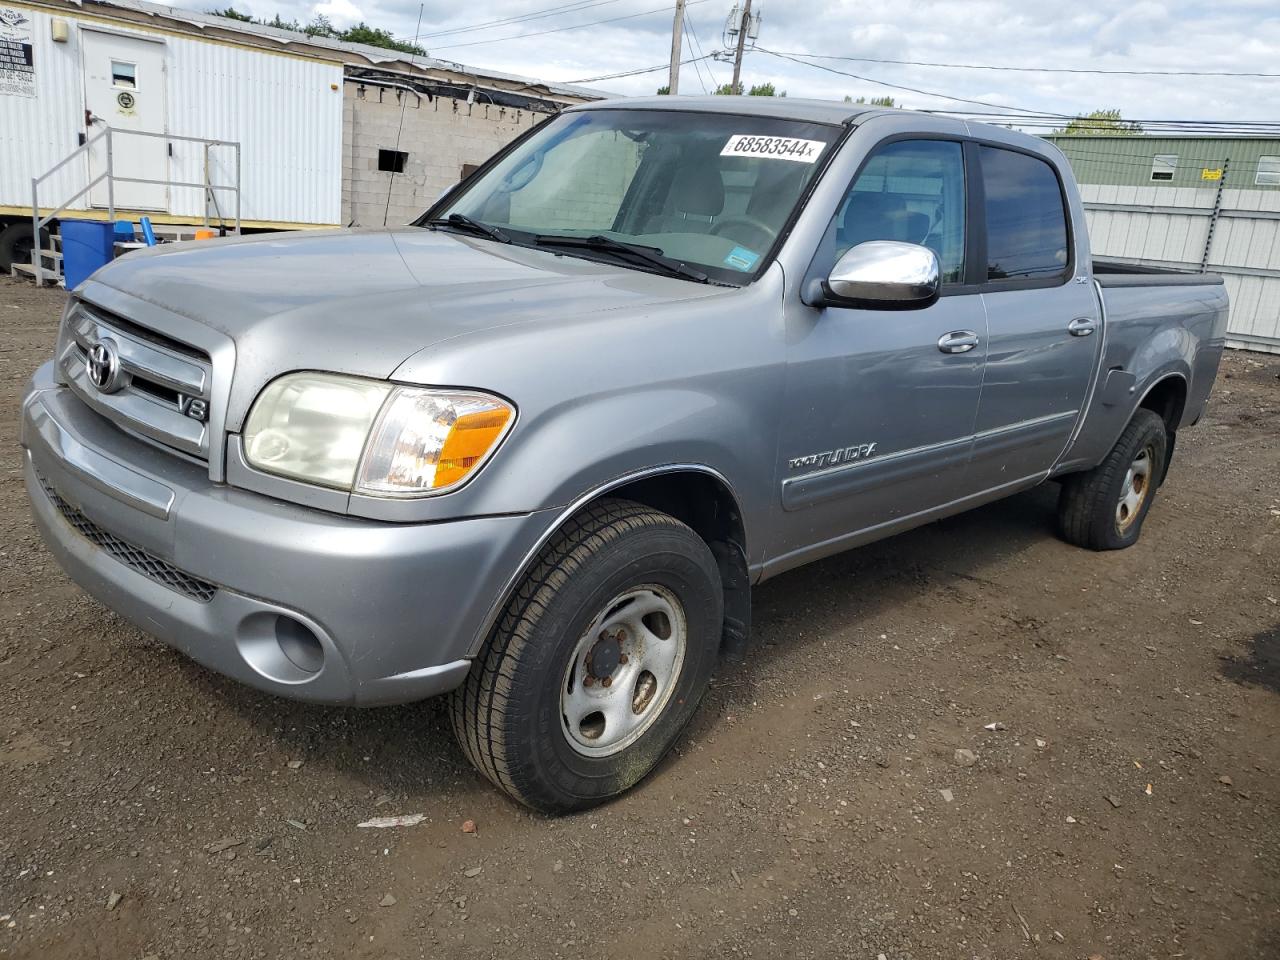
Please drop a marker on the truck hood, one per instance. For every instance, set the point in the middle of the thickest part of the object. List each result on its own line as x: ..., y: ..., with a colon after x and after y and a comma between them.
x: 362, y: 301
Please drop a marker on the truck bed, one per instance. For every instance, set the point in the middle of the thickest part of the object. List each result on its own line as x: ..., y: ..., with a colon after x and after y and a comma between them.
x: 1118, y: 273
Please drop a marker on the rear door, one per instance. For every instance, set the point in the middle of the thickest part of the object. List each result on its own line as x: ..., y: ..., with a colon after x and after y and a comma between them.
x: 1043, y: 319
x: 880, y: 404
x: 124, y: 83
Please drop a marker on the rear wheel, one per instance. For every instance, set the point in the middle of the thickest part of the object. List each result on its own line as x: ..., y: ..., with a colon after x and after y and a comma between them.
x: 1104, y: 508
x: 598, y: 662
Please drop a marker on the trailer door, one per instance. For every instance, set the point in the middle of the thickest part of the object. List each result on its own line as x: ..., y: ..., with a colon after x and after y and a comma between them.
x: 124, y: 88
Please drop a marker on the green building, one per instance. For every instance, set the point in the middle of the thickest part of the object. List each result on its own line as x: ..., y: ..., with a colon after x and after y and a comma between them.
x: 1194, y: 203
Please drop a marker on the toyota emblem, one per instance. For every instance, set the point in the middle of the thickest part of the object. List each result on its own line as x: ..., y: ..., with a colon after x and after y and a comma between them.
x: 103, y: 366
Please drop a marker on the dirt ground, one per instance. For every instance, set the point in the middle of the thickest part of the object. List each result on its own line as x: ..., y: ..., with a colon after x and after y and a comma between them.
x: 1128, y: 806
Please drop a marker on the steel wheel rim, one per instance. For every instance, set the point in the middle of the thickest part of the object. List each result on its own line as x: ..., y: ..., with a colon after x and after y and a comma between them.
x: 1135, y: 491
x: 623, y: 671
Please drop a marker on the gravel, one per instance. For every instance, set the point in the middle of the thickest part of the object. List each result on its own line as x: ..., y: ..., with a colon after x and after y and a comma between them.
x: 800, y: 815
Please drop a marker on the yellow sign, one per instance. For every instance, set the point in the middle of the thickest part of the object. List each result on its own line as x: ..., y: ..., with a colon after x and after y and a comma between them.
x: 1207, y: 174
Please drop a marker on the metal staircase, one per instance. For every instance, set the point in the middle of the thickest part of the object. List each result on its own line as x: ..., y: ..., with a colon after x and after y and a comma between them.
x: 46, y: 259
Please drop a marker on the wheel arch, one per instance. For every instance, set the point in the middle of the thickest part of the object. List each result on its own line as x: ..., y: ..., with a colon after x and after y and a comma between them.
x: 1167, y: 396
x: 695, y: 494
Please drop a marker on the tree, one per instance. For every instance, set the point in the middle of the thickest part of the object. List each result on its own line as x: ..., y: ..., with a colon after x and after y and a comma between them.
x: 376, y: 37
x: 322, y: 26
x: 765, y: 90
x: 664, y: 90
x: 873, y: 102
x: 728, y: 90
x: 231, y: 13
x: 1107, y: 122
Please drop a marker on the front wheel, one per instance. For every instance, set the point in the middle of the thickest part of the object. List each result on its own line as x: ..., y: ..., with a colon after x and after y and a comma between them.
x: 598, y: 662
x: 1103, y: 508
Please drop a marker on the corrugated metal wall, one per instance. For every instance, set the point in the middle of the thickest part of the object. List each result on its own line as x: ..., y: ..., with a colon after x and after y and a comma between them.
x: 1130, y: 218
x: 36, y: 132
x: 284, y: 110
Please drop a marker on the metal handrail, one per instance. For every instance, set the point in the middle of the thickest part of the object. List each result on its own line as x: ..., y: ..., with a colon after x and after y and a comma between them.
x: 38, y: 223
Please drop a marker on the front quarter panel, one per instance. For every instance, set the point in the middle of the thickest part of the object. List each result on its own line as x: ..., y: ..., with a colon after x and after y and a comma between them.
x: 601, y: 397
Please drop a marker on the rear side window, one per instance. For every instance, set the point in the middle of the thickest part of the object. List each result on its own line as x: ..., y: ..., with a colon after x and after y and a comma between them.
x: 1026, y: 220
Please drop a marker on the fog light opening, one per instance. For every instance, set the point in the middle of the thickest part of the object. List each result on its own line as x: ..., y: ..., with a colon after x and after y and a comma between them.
x: 299, y: 644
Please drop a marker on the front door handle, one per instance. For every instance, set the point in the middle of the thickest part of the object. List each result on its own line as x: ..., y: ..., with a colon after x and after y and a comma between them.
x: 958, y: 341
x: 1081, y: 327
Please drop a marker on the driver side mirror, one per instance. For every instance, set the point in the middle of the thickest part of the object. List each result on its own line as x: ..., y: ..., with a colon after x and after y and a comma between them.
x: 882, y: 275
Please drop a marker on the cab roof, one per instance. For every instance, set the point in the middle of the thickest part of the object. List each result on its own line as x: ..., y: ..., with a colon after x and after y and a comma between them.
x: 785, y: 108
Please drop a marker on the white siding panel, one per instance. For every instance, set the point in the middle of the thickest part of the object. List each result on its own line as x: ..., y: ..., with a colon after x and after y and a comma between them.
x: 284, y: 111
x: 36, y: 132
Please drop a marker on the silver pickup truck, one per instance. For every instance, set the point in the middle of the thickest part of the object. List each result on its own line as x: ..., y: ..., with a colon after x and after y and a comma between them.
x: 535, y: 449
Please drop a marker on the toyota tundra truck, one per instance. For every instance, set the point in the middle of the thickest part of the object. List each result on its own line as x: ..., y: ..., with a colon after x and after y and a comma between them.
x: 535, y: 449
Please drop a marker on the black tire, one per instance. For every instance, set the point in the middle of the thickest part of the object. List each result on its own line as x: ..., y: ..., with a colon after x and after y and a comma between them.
x: 1090, y: 509
x: 508, y: 716
x: 15, y: 244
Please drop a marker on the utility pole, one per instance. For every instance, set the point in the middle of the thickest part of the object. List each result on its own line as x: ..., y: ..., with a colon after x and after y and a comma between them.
x: 677, y: 30
x: 743, y: 26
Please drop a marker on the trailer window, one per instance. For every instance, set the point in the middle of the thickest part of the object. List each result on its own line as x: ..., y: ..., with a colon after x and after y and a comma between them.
x: 392, y: 161
x: 1268, y: 174
x: 124, y: 75
x: 1026, y: 219
x: 1163, y: 166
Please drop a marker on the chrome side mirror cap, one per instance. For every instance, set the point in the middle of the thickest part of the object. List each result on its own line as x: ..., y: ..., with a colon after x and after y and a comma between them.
x: 884, y: 275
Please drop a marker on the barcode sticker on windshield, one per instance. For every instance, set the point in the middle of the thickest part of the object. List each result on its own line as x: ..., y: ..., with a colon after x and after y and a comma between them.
x: 776, y: 148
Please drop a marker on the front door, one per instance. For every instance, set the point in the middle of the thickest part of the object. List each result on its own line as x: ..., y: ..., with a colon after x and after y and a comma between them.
x: 1044, y: 325
x: 124, y: 88
x: 881, y: 404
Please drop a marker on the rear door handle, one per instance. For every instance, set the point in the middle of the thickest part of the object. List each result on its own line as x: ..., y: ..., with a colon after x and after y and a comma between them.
x: 958, y: 341
x: 1081, y: 327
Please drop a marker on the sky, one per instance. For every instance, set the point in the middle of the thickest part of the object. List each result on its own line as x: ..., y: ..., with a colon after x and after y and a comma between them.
x: 1091, y: 34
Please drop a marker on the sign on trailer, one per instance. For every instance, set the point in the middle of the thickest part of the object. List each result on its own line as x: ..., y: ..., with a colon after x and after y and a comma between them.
x: 17, y: 62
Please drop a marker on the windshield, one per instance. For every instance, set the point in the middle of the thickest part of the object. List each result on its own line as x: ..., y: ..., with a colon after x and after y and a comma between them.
x: 710, y: 190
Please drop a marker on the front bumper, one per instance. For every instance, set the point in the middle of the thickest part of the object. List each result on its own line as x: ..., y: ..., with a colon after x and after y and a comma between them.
x: 297, y: 602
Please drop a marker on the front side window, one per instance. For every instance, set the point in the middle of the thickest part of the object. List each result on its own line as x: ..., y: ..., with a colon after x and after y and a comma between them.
x: 1026, y: 219
x: 912, y: 191
x: 714, y: 191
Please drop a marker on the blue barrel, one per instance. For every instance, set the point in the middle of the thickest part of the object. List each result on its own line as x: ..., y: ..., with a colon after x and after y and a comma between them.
x: 86, y: 246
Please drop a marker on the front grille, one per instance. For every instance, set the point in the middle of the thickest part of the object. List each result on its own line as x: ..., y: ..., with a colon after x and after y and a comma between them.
x: 151, y: 567
x: 163, y: 390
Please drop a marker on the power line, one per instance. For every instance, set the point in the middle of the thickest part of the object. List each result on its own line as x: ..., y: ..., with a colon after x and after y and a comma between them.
x: 899, y: 86
x: 988, y: 66
x: 1157, y: 127
x: 404, y: 101
x: 558, y: 9
x: 688, y: 21
x: 697, y: 71
x: 573, y: 26
x: 634, y: 73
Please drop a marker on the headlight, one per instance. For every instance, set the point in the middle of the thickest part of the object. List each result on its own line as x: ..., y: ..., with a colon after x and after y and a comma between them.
x: 372, y: 437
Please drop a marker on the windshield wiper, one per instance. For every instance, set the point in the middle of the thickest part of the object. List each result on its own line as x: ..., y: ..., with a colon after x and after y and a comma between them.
x: 650, y: 255
x: 460, y: 221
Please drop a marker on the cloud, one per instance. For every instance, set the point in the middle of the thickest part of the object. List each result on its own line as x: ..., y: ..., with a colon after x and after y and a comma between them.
x: 1236, y: 35
x: 341, y: 13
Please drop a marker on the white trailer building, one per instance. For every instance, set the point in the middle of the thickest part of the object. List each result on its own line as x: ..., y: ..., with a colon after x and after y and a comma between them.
x: 123, y: 108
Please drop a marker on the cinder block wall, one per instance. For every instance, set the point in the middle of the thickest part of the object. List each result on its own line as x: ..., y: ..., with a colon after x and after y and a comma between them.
x: 439, y: 136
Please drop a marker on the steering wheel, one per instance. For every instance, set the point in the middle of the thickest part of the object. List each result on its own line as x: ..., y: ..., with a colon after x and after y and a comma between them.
x: 765, y: 232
